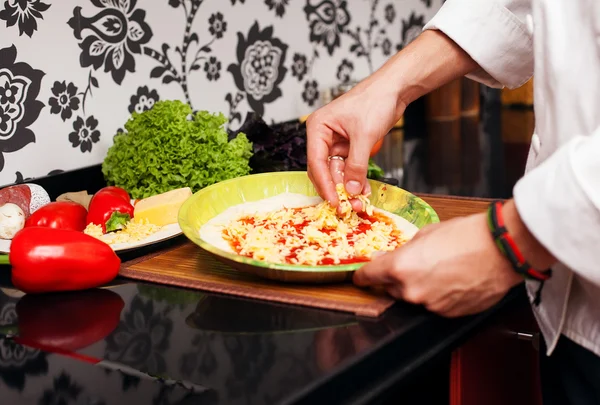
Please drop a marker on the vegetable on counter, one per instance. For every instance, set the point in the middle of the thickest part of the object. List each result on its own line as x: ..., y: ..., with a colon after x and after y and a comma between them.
x: 46, y: 260
x: 162, y: 209
x: 117, y: 190
x: 110, y: 208
x: 59, y: 215
x: 65, y: 322
x: 143, y: 219
x: 170, y: 147
x: 278, y: 147
x: 376, y: 147
x: 374, y: 171
x: 12, y: 220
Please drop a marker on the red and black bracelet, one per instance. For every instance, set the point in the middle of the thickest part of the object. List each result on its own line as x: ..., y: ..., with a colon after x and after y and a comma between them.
x: 509, y: 248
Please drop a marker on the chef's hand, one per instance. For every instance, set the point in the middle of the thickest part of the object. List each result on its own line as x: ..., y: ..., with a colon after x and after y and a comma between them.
x: 454, y: 268
x: 349, y: 127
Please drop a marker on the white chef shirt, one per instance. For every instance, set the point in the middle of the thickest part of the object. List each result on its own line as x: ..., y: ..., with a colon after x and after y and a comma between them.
x: 558, y: 199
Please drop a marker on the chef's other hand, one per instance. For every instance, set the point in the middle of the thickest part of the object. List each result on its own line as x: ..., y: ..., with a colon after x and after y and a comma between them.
x: 348, y: 128
x: 452, y: 268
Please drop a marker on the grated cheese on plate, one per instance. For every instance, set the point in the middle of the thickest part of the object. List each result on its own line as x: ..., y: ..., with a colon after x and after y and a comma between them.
x: 135, y: 230
x: 314, y: 235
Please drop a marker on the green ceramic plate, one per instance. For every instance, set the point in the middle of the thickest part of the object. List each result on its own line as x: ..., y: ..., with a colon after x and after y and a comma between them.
x: 211, y: 201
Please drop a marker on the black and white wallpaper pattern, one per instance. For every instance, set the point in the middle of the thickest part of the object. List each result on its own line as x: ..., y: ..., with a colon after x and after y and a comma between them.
x: 72, y: 71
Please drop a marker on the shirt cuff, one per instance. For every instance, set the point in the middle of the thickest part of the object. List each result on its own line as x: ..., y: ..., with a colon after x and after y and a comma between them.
x: 559, y: 202
x: 493, y: 36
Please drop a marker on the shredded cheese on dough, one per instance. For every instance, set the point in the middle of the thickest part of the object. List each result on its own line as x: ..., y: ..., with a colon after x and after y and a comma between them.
x: 346, y: 206
x: 314, y: 235
x: 135, y: 230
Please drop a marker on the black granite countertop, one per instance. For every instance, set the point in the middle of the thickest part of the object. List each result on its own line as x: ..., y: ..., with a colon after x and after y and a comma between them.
x: 193, y: 347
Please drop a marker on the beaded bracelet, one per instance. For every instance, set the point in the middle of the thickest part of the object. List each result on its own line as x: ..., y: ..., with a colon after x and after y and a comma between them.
x: 509, y: 248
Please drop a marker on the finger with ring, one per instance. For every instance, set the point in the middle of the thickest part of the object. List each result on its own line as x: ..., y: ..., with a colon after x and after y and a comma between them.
x: 336, y: 167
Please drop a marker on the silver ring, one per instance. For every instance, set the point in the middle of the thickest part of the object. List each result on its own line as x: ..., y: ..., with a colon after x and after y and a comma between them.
x: 336, y: 157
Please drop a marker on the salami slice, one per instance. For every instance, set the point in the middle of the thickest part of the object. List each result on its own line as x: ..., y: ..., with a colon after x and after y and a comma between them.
x: 28, y: 197
x: 19, y: 195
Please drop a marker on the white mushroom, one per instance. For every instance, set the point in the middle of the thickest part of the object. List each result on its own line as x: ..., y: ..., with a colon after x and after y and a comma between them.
x: 12, y: 220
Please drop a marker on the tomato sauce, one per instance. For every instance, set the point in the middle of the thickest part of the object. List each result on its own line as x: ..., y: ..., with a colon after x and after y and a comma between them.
x: 236, y: 245
x: 247, y: 221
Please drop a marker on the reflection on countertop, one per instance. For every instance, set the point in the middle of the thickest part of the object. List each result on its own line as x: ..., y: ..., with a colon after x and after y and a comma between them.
x: 48, y: 362
x: 207, y: 348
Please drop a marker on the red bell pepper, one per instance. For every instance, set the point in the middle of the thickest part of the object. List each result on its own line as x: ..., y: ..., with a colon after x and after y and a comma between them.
x: 46, y: 260
x: 59, y: 215
x: 110, y: 208
x: 66, y: 322
x: 114, y: 189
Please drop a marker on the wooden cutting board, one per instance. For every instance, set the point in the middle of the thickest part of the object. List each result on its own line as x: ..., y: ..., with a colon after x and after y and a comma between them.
x: 190, y: 266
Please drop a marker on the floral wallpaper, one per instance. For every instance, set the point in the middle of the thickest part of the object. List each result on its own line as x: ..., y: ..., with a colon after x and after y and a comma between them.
x: 71, y: 72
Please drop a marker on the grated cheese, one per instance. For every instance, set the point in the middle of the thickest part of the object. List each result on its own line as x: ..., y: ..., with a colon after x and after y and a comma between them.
x: 314, y: 235
x: 135, y: 230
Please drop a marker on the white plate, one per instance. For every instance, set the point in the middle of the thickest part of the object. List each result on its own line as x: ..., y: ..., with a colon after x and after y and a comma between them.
x: 166, y: 232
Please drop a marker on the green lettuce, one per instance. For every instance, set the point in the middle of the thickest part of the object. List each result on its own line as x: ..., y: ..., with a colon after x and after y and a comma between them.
x: 169, y: 147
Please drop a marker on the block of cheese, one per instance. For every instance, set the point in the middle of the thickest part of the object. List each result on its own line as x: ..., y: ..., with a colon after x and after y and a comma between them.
x: 162, y: 209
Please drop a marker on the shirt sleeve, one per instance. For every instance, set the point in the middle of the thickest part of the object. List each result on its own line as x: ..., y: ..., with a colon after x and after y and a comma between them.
x: 495, y: 34
x: 559, y: 202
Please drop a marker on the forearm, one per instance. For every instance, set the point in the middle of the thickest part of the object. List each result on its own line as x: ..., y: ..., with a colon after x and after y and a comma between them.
x: 430, y: 61
x: 487, y: 40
